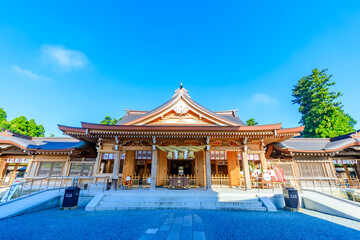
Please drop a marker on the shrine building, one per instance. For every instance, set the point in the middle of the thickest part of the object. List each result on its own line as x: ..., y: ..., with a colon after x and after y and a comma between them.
x: 178, y: 138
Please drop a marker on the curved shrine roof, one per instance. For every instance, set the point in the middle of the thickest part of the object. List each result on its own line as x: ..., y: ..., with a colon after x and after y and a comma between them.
x: 181, y: 114
x: 41, y: 143
x: 319, y: 144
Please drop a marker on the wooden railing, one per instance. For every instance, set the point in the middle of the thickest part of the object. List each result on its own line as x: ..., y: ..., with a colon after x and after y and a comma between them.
x: 145, y: 183
x: 260, y: 183
x: 220, y: 180
x: 193, y: 179
x: 137, y: 181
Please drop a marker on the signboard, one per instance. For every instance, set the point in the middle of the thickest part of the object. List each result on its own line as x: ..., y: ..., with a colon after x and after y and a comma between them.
x: 345, y: 161
x: 11, y: 190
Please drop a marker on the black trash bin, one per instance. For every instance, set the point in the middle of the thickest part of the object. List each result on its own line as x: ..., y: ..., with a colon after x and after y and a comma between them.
x: 291, y: 197
x: 71, y: 197
x: 108, y: 184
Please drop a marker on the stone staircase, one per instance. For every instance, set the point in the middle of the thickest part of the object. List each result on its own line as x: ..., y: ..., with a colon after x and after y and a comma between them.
x: 175, y: 199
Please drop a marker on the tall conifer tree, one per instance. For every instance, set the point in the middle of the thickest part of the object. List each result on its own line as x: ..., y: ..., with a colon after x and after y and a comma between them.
x: 322, y: 113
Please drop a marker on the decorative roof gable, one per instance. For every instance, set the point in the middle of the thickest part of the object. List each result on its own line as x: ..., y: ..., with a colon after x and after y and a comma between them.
x: 181, y: 110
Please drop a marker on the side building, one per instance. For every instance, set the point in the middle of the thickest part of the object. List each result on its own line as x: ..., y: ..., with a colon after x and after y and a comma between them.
x: 38, y: 157
x: 337, y: 157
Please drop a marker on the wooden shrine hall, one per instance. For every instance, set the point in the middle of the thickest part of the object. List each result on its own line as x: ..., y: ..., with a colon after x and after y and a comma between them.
x: 180, y: 138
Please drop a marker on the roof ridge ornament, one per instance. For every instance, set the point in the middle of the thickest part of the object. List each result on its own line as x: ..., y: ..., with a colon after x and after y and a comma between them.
x: 181, y: 91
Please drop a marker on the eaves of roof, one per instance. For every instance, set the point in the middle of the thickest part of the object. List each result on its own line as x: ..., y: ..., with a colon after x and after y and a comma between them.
x: 169, y: 128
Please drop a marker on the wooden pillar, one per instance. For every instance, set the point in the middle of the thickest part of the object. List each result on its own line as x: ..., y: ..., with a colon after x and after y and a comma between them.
x: 263, y: 161
x: 66, y: 167
x: 348, y: 175
x: 233, y: 168
x: 2, y: 167
x: 154, y: 161
x: 114, y: 175
x: 129, y: 164
x: 246, y: 170
x: 199, y: 166
x: 357, y: 165
x: 34, y: 167
x: 346, y: 170
x: 97, y: 162
x: 29, y: 166
x: 208, y: 169
x: 13, y: 176
x: 357, y: 172
x: 161, y: 168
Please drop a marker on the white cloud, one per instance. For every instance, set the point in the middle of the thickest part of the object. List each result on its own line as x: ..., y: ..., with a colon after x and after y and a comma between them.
x: 260, y: 98
x: 64, y: 57
x: 30, y: 74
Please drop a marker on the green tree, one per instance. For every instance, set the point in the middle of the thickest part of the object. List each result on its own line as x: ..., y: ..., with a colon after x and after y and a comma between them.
x: 110, y: 121
x: 322, y: 114
x: 251, y: 122
x: 3, y: 119
x: 3, y: 115
x: 27, y: 127
x: 21, y: 125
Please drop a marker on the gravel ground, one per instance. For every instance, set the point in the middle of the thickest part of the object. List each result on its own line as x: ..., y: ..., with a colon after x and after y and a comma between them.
x: 56, y: 224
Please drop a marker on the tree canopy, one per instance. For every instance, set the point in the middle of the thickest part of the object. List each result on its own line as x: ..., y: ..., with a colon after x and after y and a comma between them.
x: 109, y: 120
x: 251, y: 122
x: 21, y: 125
x: 322, y: 114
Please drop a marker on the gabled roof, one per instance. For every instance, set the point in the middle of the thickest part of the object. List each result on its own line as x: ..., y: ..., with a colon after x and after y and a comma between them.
x: 317, y: 145
x: 181, y: 117
x: 223, y: 118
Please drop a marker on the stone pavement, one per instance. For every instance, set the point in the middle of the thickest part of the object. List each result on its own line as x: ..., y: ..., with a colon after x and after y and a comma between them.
x: 177, y: 226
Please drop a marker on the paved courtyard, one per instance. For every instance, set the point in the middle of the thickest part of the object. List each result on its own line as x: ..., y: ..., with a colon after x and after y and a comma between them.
x: 177, y: 224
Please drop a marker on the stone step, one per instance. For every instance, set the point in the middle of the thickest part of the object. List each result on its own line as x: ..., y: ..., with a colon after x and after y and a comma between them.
x: 180, y: 203
x: 117, y: 208
x: 177, y: 199
x: 156, y: 198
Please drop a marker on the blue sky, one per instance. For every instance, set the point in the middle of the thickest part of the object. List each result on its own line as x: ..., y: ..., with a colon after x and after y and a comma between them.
x: 63, y: 62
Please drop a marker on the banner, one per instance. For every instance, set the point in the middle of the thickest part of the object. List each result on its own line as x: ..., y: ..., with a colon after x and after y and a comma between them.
x: 345, y: 161
x: 17, y: 160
